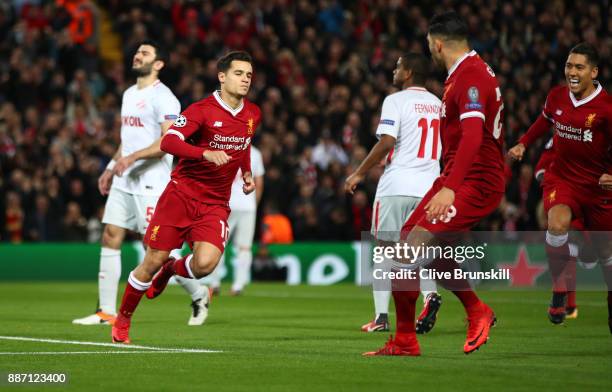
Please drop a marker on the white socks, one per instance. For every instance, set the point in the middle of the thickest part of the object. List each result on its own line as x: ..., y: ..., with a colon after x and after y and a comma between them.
x: 428, y: 286
x: 381, y: 301
x: 242, y: 270
x: 108, y: 279
x: 556, y: 240
x: 138, y: 285
x: 191, y: 286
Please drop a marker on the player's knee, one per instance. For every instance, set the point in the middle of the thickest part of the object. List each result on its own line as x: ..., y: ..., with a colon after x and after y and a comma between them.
x: 203, y: 264
x: 558, y: 226
x: 559, y: 223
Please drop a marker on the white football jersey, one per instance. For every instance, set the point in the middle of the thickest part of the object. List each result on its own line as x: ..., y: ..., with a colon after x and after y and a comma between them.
x: 412, y: 117
x: 238, y: 200
x: 142, y: 113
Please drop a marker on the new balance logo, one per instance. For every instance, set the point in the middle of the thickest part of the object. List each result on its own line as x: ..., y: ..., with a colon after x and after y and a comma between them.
x: 218, y: 124
x: 559, y: 112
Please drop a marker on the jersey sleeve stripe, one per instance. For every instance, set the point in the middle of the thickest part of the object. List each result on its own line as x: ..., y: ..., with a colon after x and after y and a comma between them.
x: 177, y: 133
x: 472, y: 114
x: 546, y: 116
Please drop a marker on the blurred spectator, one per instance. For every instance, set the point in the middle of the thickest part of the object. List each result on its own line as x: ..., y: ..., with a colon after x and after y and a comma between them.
x: 328, y: 151
x: 14, y: 218
x: 74, y: 224
x: 276, y: 227
x: 95, y: 227
x: 362, y: 214
x: 43, y: 223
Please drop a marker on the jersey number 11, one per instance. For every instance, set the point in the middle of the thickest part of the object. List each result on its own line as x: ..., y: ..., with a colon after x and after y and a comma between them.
x: 435, y: 126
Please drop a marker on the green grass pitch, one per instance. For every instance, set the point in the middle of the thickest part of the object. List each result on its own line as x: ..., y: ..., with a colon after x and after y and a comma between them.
x: 280, y: 338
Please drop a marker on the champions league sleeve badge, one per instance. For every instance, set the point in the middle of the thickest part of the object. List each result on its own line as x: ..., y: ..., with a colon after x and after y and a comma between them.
x: 473, y: 95
x: 180, y: 122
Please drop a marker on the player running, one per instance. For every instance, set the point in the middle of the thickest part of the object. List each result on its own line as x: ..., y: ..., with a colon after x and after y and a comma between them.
x: 577, y: 183
x: 409, y: 138
x: 242, y: 226
x: 135, y: 179
x: 212, y: 138
x: 470, y: 187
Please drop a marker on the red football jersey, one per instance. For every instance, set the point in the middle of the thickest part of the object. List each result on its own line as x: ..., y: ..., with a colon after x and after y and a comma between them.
x: 583, y: 135
x: 214, y: 125
x: 471, y: 90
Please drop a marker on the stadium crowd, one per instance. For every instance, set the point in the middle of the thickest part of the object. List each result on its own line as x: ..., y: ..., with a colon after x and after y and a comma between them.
x: 322, y: 71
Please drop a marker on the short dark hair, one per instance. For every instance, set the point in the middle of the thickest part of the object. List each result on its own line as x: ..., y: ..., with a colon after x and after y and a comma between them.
x: 589, y: 51
x: 161, y: 53
x: 225, y: 62
x: 448, y: 25
x: 418, y: 64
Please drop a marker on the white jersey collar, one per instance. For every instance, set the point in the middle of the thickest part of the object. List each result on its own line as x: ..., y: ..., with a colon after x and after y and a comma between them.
x: 155, y: 83
x: 233, y: 112
x: 459, y: 61
x: 585, y: 99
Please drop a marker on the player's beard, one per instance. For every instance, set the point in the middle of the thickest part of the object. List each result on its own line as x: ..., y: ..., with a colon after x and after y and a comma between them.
x: 143, y: 70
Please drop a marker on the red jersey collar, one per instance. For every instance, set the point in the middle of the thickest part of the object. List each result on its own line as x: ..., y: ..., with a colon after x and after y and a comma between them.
x: 233, y: 112
x: 585, y: 99
x: 459, y: 61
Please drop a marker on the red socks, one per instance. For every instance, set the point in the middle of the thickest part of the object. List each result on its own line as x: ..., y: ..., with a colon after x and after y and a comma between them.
x: 557, y: 262
x: 405, y: 294
x: 405, y: 303
x: 134, y: 291
x: 181, y: 268
x: 468, y: 298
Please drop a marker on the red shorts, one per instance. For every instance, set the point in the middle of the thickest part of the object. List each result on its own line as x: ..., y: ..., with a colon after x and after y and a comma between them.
x: 472, y: 204
x: 592, y: 206
x: 179, y: 218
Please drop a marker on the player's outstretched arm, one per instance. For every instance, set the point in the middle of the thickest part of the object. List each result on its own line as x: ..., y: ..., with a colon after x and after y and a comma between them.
x: 152, y: 151
x: 535, y: 131
x: 378, y: 152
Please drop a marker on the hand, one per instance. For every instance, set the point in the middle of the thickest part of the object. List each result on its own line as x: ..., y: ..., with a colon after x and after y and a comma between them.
x: 249, y: 183
x: 438, y: 206
x: 517, y: 152
x: 217, y: 157
x: 123, y: 164
x: 104, y: 182
x: 605, y: 181
x: 351, y: 182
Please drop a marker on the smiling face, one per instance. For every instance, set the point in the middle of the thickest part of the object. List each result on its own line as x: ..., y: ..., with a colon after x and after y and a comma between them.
x: 237, y: 79
x: 579, y: 75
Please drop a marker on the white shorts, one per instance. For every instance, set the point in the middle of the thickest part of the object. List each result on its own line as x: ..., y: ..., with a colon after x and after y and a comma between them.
x: 389, y: 215
x: 132, y: 212
x: 242, y: 228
